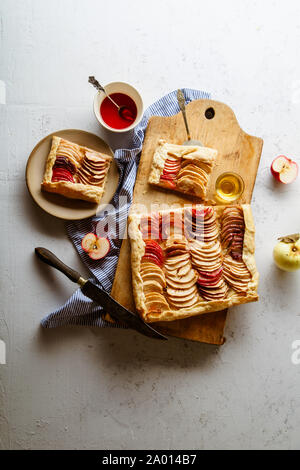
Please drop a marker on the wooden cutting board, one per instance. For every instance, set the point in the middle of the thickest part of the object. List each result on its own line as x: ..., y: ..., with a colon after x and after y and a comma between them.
x: 237, y: 151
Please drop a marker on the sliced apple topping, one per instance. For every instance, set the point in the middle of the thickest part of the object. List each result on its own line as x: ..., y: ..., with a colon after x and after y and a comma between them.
x: 151, y: 285
x: 156, y: 303
x: 93, y: 169
x: 153, y: 252
x: 206, y: 256
x: 217, y: 290
x: 207, y: 260
x: 71, y: 151
x: 236, y: 274
x: 171, y: 168
x: 232, y: 231
x: 150, y: 226
x: 171, y: 224
x: 201, y: 224
x: 176, y: 244
x: 193, y: 177
x: 205, y: 166
x: 63, y: 169
x: 151, y: 272
x: 61, y: 174
x: 180, y: 276
x: 153, y: 278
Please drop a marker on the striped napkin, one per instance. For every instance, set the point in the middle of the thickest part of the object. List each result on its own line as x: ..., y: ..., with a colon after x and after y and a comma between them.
x: 80, y: 310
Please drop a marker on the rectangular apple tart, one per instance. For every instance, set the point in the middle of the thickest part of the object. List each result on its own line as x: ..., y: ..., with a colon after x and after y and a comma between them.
x: 192, y: 260
x: 75, y: 172
x: 183, y: 168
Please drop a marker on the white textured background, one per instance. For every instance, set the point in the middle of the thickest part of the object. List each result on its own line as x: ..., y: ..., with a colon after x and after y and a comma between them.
x: 88, y: 388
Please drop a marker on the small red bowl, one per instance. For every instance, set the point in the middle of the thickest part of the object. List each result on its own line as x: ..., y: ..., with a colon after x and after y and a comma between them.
x: 119, y: 87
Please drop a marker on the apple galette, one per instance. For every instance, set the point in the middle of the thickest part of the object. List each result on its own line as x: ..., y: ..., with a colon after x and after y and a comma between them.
x: 192, y: 260
x: 182, y: 168
x: 75, y: 172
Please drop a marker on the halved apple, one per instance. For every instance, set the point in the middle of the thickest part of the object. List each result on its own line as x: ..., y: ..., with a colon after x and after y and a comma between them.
x: 100, y: 249
x: 88, y: 242
x: 284, y: 169
x: 95, y: 247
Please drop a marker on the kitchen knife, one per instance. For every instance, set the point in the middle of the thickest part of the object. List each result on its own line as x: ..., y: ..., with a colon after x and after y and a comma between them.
x: 91, y: 290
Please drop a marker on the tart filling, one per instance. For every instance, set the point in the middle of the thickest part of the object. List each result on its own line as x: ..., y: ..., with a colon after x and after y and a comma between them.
x: 181, y: 278
x: 75, y: 171
x: 183, y: 168
x: 202, y: 263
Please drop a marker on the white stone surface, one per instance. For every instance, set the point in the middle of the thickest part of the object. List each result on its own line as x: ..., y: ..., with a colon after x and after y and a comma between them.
x: 81, y: 388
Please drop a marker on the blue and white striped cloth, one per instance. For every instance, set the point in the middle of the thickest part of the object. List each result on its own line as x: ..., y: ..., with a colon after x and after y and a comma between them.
x: 80, y: 310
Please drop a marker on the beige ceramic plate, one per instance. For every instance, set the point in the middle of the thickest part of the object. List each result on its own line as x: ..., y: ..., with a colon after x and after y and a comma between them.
x: 55, y: 204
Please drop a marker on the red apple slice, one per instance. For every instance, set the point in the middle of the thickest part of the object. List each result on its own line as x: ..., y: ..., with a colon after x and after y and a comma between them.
x: 199, y: 212
x: 152, y: 247
x: 206, y: 281
x: 150, y: 227
x: 153, y: 258
x: 57, y: 180
x: 167, y: 176
x: 88, y: 242
x: 168, y: 184
x: 153, y: 244
x: 152, y: 232
x: 171, y: 165
x: 100, y: 249
x: 155, y: 252
x: 284, y: 169
x: 62, y: 174
x: 211, y: 275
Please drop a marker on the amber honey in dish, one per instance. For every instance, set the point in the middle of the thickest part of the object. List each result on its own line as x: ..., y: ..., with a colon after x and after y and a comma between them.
x: 229, y: 187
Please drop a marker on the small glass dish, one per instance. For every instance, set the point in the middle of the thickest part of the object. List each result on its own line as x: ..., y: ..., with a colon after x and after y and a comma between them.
x: 229, y: 187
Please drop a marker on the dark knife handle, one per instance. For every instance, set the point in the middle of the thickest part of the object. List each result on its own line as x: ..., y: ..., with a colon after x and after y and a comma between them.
x: 49, y: 258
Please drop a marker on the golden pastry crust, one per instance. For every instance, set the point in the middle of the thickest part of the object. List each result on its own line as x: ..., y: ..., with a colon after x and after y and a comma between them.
x: 86, y: 192
x: 202, y: 306
x: 192, y: 183
x: 74, y: 190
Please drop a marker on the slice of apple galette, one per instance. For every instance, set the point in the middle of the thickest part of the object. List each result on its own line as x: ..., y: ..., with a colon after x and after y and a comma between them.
x: 192, y: 260
x: 182, y: 168
x: 75, y: 171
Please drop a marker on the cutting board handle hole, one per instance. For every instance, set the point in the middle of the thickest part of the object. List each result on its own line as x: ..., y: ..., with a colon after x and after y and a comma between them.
x: 209, y: 113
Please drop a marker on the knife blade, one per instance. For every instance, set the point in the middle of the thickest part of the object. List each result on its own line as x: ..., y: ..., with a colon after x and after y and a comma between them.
x: 117, y: 311
x: 91, y: 290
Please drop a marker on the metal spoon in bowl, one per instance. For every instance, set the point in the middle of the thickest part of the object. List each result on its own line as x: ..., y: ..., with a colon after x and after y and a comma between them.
x: 181, y: 102
x: 123, y: 111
